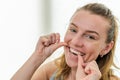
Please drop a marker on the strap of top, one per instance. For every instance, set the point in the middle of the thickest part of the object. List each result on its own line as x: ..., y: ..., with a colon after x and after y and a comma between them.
x: 53, y: 76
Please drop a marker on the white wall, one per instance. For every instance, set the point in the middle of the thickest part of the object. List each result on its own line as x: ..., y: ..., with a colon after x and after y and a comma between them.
x: 19, y: 31
x: 21, y: 25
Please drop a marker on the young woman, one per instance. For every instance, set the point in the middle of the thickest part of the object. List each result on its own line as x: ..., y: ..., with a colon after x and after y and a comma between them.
x: 89, y: 46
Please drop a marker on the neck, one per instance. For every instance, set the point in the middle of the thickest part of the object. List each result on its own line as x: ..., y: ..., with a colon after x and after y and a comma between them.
x: 72, y: 75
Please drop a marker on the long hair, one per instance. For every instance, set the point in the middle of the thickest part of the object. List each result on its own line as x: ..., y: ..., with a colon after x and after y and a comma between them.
x: 105, y: 62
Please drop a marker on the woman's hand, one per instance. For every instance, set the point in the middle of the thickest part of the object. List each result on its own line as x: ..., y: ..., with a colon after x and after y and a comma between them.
x: 45, y: 47
x: 48, y: 44
x: 87, y: 71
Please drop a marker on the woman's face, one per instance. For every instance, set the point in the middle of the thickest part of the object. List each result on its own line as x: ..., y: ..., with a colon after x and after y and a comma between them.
x: 86, y: 35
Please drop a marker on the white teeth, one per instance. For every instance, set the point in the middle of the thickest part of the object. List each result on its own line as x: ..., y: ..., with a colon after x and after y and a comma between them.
x: 76, y: 52
x: 73, y: 51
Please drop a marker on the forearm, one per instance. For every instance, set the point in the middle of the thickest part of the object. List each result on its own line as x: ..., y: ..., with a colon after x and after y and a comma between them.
x: 45, y: 47
x: 29, y: 67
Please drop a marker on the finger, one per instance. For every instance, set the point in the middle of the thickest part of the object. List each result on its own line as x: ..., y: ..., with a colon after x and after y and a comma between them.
x: 57, y: 45
x: 46, y: 40
x: 43, y: 40
x: 87, y: 69
x: 92, y: 77
x: 80, y: 60
x: 53, y: 38
x: 80, y: 70
x: 91, y: 67
x: 57, y: 37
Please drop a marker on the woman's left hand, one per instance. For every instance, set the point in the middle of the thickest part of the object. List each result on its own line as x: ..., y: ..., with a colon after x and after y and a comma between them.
x: 87, y: 71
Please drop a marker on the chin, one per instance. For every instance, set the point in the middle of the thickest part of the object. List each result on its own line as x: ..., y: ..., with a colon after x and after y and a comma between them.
x: 71, y: 64
x: 71, y: 60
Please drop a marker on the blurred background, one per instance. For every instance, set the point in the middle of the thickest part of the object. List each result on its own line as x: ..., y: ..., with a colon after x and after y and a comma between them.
x: 23, y: 21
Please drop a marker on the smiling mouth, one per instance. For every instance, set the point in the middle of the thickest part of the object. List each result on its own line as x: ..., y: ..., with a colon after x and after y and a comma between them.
x: 73, y: 51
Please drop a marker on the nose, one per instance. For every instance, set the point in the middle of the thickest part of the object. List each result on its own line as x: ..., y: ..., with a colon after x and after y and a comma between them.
x: 77, y: 41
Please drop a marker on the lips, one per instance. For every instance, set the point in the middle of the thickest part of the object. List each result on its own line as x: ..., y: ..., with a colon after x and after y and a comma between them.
x: 75, y: 52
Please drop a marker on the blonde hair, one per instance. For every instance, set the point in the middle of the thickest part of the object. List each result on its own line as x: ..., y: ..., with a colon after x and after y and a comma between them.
x: 106, y: 61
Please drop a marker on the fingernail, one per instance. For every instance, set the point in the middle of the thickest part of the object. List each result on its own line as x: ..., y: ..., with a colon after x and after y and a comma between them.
x: 57, y: 41
x: 46, y: 44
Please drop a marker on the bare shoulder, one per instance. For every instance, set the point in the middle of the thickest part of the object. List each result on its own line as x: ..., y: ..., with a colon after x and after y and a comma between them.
x: 50, y: 68
x: 45, y: 71
x: 114, y: 78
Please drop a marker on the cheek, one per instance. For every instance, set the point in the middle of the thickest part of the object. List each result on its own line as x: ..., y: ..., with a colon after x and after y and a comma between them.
x: 92, y: 51
x: 67, y: 37
x: 95, y: 47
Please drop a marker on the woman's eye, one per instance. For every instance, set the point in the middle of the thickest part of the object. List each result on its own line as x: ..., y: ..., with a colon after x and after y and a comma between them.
x: 90, y: 37
x: 73, y: 30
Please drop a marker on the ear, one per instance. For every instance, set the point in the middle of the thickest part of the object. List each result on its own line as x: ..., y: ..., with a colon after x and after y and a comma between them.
x: 107, y: 48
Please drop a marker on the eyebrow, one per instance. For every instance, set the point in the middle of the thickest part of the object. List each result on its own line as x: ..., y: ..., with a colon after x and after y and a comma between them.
x: 93, y: 32
x: 88, y: 31
x: 74, y: 25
